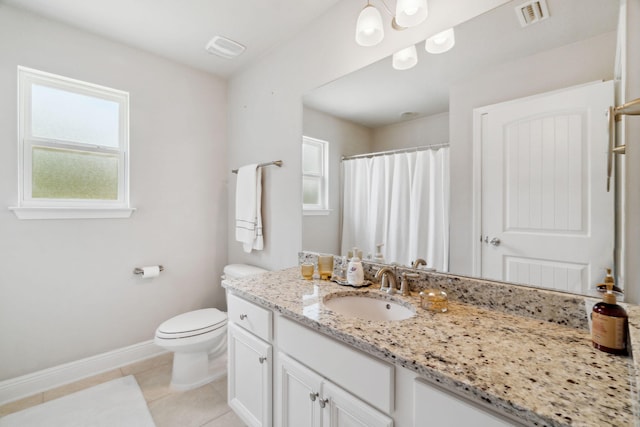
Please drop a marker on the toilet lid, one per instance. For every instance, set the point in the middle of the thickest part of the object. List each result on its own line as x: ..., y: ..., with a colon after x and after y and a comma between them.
x: 192, y: 323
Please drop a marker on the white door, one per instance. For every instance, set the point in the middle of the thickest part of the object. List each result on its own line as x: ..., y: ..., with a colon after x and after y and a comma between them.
x: 547, y: 218
x: 342, y: 409
x: 299, y: 394
x: 249, y: 379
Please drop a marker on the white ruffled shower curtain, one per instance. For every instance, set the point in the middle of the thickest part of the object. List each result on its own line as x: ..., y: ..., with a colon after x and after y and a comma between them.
x: 401, y: 200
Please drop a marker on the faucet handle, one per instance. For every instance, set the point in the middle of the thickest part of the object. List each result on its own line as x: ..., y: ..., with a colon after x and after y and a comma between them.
x: 404, y: 284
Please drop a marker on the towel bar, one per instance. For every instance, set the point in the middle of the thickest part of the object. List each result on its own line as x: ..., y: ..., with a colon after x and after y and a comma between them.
x: 277, y: 163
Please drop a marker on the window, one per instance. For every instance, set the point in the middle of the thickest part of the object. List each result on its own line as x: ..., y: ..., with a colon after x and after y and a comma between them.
x: 315, y: 180
x: 73, y: 148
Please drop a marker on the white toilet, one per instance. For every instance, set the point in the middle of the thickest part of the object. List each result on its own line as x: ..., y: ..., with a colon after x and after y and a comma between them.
x: 199, y: 339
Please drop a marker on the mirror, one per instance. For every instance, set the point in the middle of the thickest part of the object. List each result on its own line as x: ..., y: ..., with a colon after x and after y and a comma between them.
x: 495, y: 59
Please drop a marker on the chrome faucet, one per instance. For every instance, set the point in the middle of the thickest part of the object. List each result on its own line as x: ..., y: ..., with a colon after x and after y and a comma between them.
x: 417, y: 263
x: 387, y: 276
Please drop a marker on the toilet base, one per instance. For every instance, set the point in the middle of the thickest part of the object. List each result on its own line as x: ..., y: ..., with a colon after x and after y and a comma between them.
x: 192, y: 370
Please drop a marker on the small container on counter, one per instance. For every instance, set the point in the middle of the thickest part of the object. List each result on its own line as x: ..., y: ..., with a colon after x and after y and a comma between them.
x: 434, y: 300
x: 325, y: 266
x: 609, y: 324
x: 306, y: 270
x: 355, y: 272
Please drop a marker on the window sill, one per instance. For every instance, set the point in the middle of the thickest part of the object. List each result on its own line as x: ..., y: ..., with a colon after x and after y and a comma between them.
x: 70, y: 213
x: 316, y: 212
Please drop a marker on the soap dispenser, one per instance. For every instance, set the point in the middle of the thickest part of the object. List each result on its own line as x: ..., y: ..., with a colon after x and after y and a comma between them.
x: 355, y: 272
x: 609, y: 324
x: 379, y: 257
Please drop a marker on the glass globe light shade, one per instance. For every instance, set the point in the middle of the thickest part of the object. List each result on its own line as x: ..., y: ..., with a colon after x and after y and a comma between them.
x: 369, y: 30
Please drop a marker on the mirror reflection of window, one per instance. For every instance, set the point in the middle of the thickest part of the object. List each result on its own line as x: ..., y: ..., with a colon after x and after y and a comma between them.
x: 315, y: 175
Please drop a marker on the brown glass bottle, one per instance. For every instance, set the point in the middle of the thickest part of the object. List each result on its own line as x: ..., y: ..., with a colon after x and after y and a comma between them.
x: 609, y: 326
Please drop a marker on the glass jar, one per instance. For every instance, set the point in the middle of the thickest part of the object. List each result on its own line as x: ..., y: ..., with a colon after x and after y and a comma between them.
x: 434, y: 300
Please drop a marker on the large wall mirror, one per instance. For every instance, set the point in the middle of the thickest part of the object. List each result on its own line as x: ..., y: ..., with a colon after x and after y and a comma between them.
x: 434, y: 115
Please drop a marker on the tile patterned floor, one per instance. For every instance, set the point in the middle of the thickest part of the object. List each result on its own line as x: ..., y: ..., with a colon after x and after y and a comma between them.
x: 205, y: 406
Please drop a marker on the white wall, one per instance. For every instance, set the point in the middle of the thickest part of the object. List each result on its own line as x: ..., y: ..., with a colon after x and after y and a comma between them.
x: 321, y: 233
x: 570, y: 65
x: 427, y: 130
x: 265, y: 109
x: 66, y: 286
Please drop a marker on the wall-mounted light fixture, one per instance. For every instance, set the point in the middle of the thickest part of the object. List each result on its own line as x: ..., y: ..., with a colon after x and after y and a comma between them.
x: 369, y: 28
x: 441, y: 42
x: 410, y: 13
x: 405, y: 58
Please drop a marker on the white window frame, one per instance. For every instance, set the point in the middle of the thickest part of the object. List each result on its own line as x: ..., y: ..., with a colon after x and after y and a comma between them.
x: 323, y: 207
x: 40, y: 208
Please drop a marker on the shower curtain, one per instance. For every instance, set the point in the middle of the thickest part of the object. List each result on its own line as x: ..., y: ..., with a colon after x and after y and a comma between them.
x: 401, y: 200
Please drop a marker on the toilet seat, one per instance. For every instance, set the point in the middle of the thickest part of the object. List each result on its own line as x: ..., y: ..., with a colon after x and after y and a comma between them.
x: 192, y: 324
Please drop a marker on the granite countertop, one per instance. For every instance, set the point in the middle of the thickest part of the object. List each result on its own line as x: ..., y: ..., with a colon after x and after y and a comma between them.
x: 540, y: 372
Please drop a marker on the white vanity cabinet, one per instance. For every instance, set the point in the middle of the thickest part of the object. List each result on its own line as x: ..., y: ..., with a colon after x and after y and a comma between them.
x: 309, y: 400
x: 250, y: 383
x: 285, y: 374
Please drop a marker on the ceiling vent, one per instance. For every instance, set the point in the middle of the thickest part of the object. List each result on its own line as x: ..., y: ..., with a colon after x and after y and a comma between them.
x: 224, y: 47
x: 532, y: 12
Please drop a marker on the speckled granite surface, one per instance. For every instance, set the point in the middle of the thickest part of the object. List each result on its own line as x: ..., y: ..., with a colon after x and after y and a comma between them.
x: 541, y: 372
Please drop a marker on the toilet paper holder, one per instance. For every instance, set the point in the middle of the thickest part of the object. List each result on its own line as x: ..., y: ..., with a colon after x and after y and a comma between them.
x: 139, y: 270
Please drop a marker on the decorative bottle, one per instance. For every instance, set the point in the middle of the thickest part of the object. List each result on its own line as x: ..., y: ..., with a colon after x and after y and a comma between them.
x: 609, y: 324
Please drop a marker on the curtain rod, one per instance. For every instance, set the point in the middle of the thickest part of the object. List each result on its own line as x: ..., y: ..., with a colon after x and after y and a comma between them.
x: 400, y: 150
x: 277, y: 163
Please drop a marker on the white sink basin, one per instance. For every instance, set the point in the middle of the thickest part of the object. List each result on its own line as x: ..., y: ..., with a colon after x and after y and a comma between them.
x: 368, y: 307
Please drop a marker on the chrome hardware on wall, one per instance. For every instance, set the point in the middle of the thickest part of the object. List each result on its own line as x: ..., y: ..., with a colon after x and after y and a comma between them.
x: 631, y: 108
x: 494, y: 242
x: 140, y: 270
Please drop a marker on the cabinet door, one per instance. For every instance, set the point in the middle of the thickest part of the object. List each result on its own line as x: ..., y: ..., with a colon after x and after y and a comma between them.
x: 299, y: 392
x: 249, y: 377
x: 438, y: 408
x: 342, y: 409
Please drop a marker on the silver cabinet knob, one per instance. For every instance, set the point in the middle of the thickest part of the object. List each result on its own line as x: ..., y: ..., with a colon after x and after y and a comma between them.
x: 313, y: 396
x: 323, y: 402
x: 262, y: 359
x: 494, y: 242
x: 243, y: 316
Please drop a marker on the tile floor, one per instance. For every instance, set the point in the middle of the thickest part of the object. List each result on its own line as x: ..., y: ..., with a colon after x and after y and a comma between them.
x: 205, y: 406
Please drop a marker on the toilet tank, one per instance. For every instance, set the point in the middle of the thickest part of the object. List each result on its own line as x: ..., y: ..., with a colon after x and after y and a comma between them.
x: 238, y: 271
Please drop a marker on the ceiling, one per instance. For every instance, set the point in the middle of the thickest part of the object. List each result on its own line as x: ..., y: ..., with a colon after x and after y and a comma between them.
x: 180, y: 29
x: 377, y: 95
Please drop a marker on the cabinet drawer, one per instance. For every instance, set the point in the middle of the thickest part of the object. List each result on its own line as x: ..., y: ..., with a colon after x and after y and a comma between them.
x: 249, y: 316
x: 370, y: 379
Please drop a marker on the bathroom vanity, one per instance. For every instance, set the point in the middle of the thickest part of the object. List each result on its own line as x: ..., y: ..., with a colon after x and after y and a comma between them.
x: 501, y: 355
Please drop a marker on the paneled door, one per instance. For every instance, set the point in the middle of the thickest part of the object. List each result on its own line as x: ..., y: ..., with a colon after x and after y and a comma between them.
x: 547, y: 218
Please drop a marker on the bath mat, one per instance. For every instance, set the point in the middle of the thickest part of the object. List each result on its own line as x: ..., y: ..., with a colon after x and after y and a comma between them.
x: 117, y: 403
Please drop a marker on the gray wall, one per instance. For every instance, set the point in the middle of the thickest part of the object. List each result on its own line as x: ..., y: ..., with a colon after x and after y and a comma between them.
x: 66, y: 286
x: 412, y: 133
x: 570, y: 65
x: 321, y: 233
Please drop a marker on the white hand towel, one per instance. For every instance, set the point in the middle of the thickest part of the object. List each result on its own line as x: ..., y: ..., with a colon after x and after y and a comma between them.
x: 248, y: 208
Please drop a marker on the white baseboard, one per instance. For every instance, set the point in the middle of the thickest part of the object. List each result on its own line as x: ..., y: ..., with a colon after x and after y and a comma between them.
x: 30, y: 384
